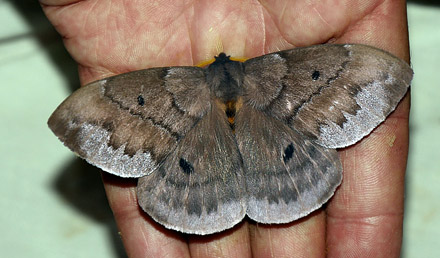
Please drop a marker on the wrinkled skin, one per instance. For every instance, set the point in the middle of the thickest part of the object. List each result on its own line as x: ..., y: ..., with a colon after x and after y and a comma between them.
x: 364, y: 218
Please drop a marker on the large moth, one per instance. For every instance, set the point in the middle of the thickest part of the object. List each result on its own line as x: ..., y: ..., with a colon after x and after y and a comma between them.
x: 257, y: 138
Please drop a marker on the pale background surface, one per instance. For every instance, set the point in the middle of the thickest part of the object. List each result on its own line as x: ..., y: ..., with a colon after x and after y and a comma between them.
x: 53, y: 205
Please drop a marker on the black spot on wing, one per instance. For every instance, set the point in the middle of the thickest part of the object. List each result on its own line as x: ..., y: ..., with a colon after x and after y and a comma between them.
x: 141, y: 100
x: 315, y: 75
x: 288, y: 153
x: 187, y: 168
x: 155, y: 122
x: 319, y: 90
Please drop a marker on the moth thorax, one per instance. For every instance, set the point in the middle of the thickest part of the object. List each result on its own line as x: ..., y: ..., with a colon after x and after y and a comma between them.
x: 225, y: 78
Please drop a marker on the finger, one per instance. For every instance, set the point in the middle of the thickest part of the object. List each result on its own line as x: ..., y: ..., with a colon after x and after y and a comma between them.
x: 142, y: 237
x: 57, y: 2
x: 385, y: 27
x: 366, y: 214
x: 230, y: 243
x: 302, y: 238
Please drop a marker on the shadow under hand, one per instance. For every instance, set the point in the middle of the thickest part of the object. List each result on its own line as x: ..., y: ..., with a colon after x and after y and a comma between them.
x: 425, y: 2
x: 48, y: 38
x: 80, y: 185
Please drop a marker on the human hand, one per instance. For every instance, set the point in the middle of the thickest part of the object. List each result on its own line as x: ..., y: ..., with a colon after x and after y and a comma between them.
x: 364, y: 217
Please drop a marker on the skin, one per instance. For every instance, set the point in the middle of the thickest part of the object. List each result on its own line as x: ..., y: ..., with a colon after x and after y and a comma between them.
x: 363, y: 219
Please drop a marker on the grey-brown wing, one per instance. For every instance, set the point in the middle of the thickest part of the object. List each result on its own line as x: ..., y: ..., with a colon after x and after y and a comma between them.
x: 287, y: 176
x: 199, y: 188
x: 333, y: 94
x: 129, y: 123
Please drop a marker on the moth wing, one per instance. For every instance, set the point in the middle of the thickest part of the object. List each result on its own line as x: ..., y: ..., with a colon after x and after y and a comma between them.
x: 199, y: 189
x: 287, y: 176
x: 333, y: 94
x: 129, y: 123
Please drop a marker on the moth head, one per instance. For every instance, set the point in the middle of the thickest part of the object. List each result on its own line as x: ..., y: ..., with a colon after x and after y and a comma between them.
x: 222, y: 58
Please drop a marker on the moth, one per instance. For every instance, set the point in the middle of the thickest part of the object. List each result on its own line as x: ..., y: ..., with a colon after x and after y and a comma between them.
x: 257, y: 138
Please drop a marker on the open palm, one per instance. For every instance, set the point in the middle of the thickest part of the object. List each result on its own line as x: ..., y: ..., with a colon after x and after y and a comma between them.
x: 108, y: 37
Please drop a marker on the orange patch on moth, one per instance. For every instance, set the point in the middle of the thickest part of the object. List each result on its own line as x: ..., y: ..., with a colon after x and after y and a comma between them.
x: 230, y: 108
x: 210, y: 61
